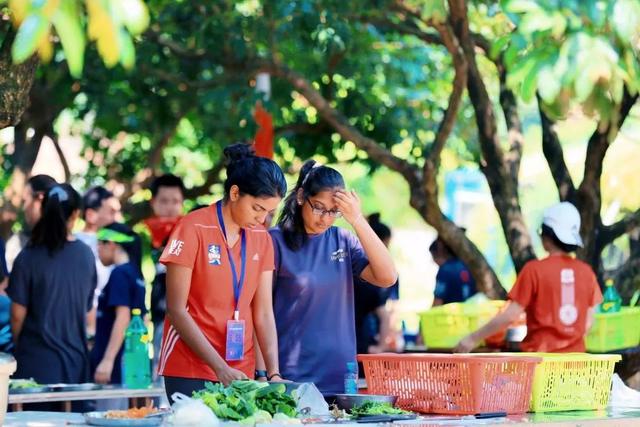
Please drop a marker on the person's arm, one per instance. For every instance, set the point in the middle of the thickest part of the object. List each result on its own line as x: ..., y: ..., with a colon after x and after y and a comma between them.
x: 261, y: 367
x: 105, y: 367
x: 501, y: 321
x: 265, y: 324
x: 18, y: 313
x: 381, y: 270
x: 178, y: 285
x: 590, y: 316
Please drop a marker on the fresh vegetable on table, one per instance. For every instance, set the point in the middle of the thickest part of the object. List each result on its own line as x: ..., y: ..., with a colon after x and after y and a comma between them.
x: 376, y: 408
x: 248, y: 402
x: 23, y: 383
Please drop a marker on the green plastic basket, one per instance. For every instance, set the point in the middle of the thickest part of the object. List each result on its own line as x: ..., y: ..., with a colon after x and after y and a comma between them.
x: 614, y: 331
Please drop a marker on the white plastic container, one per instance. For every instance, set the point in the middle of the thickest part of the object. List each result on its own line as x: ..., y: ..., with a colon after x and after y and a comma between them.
x: 7, y: 368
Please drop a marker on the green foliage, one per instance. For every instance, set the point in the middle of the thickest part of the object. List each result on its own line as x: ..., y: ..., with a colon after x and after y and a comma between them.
x: 582, y: 51
x: 111, y: 23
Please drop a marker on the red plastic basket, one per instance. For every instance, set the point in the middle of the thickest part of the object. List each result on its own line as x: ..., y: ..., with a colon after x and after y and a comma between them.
x: 452, y: 384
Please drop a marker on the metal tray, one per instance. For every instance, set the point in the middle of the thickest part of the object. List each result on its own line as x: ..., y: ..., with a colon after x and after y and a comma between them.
x: 75, y: 387
x: 98, y: 419
x: 29, y: 390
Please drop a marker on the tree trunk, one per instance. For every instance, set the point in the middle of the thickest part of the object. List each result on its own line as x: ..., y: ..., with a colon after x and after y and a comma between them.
x: 15, y: 80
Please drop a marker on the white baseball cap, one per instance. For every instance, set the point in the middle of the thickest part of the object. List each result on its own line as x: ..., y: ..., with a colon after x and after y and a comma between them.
x: 564, y: 219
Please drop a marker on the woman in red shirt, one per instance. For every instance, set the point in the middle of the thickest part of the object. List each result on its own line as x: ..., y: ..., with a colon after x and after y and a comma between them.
x: 219, y: 273
x: 558, y: 293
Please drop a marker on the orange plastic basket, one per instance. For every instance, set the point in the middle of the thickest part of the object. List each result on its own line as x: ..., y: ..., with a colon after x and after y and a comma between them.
x: 452, y: 384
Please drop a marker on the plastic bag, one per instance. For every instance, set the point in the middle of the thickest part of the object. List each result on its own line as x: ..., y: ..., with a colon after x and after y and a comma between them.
x: 310, y: 401
x: 191, y: 412
x: 623, y: 396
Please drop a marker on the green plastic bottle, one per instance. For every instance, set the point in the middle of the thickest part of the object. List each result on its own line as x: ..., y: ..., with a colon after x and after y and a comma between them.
x: 136, y: 366
x: 611, y: 299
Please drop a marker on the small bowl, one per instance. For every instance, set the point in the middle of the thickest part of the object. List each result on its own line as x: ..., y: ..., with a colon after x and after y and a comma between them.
x: 349, y: 401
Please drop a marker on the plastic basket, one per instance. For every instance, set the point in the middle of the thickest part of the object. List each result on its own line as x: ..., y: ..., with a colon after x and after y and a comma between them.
x: 571, y: 381
x: 452, y: 384
x: 611, y: 331
x: 444, y: 326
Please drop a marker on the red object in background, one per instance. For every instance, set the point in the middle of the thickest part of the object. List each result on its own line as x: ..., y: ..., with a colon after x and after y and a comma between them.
x: 264, y: 134
x: 160, y: 229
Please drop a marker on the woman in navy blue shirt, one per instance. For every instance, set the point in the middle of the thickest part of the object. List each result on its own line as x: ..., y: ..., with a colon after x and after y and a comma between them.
x: 117, y: 245
x: 316, y: 264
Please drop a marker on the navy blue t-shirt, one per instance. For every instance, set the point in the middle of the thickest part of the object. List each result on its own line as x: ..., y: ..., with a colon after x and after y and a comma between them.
x: 313, y: 306
x: 124, y: 288
x: 454, y: 282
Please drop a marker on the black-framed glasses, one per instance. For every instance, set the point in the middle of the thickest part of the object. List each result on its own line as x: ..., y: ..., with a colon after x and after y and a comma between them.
x: 321, y: 212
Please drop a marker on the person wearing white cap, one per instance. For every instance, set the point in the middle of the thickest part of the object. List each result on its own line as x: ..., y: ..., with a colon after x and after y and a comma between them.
x: 558, y: 293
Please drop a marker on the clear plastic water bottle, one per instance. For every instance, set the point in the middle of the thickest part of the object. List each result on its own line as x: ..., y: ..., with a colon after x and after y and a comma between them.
x: 351, y: 378
x: 136, y: 366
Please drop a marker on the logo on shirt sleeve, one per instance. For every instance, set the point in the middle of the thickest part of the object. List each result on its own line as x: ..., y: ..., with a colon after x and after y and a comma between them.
x: 256, y: 257
x: 213, y: 254
x: 175, y: 247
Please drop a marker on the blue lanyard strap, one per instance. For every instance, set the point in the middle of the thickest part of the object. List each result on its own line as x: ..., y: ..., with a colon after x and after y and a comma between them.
x: 237, y: 284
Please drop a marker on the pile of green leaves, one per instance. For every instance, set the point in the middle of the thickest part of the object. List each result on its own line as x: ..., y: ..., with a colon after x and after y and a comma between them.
x: 376, y: 408
x: 247, y: 401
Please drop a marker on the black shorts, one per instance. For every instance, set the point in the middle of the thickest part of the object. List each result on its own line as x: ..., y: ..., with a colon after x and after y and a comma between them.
x: 185, y: 386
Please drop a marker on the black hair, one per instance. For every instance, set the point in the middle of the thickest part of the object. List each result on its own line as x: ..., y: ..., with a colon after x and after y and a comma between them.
x: 133, y: 249
x: 312, y: 180
x: 59, y: 203
x: 94, y: 197
x: 439, y: 247
x: 548, y: 232
x: 166, y: 180
x: 40, y: 184
x: 255, y: 176
x: 381, y: 229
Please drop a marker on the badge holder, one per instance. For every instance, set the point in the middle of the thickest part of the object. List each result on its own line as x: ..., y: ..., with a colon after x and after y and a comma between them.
x: 235, y: 338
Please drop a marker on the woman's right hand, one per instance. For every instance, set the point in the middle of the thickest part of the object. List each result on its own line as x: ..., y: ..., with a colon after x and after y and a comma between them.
x: 226, y: 375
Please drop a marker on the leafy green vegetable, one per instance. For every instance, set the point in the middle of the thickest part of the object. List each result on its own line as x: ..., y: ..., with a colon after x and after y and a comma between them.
x: 23, y: 383
x: 376, y: 408
x: 247, y: 401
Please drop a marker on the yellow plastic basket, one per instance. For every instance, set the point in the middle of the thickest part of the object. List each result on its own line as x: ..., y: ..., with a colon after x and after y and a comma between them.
x: 571, y: 381
x: 611, y: 331
x: 444, y: 326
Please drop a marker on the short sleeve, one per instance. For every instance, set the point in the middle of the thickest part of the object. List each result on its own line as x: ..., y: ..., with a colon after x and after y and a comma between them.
x: 359, y: 260
x: 19, y: 289
x: 268, y: 256
x: 183, y: 245
x: 440, y: 291
x: 121, y: 287
x: 525, y: 287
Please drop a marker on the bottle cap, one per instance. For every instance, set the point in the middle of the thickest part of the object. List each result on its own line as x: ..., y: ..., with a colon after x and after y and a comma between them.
x: 608, y: 282
x: 136, y: 312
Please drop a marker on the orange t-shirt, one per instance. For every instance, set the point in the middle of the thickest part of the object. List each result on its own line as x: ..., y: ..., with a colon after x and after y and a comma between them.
x: 556, y: 293
x: 198, y: 243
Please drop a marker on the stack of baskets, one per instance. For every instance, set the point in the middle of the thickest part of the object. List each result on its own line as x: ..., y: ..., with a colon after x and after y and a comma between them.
x: 482, y: 383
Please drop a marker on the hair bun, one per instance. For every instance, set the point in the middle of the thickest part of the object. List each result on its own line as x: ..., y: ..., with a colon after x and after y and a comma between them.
x: 236, y: 152
x: 374, y: 218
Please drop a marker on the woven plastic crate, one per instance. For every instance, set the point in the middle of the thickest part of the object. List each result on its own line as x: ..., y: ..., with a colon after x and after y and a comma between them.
x: 570, y: 381
x: 444, y: 326
x: 611, y: 331
x: 452, y: 384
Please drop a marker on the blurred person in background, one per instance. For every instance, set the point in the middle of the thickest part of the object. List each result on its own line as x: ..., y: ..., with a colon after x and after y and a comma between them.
x: 6, y: 341
x: 100, y: 207
x: 376, y: 314
x: 120, y: 248
x: 51, y: 288
x: 167, y: 204
x: 32, y: 197
x: 558, y: 293
x: 454, y: 282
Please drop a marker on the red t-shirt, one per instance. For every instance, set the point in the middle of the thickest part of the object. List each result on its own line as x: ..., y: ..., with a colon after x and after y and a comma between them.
x: 198, y: 243
x: 556, y: 293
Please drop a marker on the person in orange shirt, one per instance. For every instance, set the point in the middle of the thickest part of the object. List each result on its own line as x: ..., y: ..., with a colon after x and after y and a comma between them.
x: 559, y: 293
x: 220, y: 266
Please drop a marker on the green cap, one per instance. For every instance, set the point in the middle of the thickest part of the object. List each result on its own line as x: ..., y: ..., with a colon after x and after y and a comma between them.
x: 109, y: 235
x: 136, y: 312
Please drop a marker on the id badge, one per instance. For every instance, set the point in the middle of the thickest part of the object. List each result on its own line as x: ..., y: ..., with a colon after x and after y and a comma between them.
x: 235, y: 340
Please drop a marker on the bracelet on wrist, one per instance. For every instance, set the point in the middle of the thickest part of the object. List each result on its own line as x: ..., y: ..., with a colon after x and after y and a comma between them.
x: 260, y: 374
x: 272, y: 376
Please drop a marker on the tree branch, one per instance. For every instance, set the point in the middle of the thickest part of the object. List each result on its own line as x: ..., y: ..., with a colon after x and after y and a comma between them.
x: 554, y: 154
x: 611, y: 232
x: 61, y: 156
x: 509, y: 105
x: 341, y: 124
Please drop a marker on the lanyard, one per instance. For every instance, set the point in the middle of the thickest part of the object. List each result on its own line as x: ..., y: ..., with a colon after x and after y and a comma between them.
x: 237, y: 284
